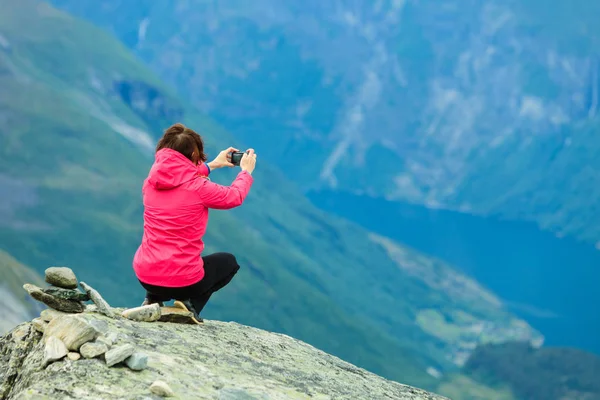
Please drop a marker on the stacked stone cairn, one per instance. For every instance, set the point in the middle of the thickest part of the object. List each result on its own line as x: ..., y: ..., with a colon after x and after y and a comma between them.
x: 68, y: 334
x: 66, y: 331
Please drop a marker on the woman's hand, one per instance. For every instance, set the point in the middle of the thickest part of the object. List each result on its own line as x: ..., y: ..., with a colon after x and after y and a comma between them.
x: 248, y: 161
x: 223, y: 159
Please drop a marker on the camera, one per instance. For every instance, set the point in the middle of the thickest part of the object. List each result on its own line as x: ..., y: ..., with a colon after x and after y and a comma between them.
x: 236, y: 157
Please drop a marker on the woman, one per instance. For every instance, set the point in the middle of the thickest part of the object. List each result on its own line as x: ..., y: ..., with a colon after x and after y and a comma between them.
x: 177, y: 195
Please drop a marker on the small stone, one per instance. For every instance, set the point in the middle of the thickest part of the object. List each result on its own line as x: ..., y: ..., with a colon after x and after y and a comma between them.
x: 137, y: 361
x: 149, y: 313
x: 72, y: 330
x: 103, y: 306
x: 73, y: 356
x: 118, y: 354
x: 160, y: 388
x: 67, y: 294
x: 54, y: 350
x: 176, y: 315
x: 68, y: 306
x: 61, y: 277
x: 93, y: 350
x: 49, y: 314
x: 39, y: 324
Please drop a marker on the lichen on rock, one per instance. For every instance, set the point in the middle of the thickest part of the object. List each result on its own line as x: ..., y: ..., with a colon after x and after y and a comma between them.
x: 215, y: 360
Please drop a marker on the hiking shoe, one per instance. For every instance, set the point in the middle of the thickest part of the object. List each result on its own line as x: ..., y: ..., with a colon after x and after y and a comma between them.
x: 187, y: 305
x: 147, y: 302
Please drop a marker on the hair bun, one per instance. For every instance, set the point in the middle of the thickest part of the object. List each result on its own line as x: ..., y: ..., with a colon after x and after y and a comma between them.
x: 177, y: 128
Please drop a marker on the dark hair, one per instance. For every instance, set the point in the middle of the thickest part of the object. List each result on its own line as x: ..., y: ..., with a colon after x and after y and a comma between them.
x: 184, y: 140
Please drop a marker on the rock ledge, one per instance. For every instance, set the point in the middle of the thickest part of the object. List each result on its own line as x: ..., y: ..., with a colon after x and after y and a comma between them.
x: 209, y: 361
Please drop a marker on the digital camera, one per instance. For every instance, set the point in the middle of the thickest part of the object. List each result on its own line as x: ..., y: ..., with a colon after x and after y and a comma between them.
x: 236, y: 157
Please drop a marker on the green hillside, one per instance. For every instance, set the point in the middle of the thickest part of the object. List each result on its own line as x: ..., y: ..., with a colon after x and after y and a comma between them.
x: 79, y: 116
x: 537, y: 374
x: 17, y: 306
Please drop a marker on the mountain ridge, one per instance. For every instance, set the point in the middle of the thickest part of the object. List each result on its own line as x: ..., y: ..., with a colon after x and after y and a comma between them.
x: 487, y: 108
x: 96, y: 111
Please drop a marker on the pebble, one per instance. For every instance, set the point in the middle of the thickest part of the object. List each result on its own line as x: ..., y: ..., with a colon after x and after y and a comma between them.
x: 118, y: 354
x: 149, y: 313
x: 137, y: 361
x: 61, y: 277
x: 54, y: 350
x: 73, y: 356
x: 160, y: 388
x: 93, y: 350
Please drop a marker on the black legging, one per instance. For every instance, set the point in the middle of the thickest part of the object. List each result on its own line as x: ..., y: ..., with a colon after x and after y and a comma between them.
x: 219, y: 269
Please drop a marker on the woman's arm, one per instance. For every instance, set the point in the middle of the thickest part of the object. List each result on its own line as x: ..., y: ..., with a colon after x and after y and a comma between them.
x: 221, y: 197
x: 222, y: 160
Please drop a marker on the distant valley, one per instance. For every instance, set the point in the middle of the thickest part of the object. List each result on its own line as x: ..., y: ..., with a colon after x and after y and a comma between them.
x: 552, y: 282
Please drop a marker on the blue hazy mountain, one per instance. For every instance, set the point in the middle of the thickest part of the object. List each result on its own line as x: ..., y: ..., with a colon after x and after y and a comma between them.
x: 481, y: 108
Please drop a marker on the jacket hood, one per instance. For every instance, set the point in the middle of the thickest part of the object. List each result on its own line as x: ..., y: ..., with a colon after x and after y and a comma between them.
x: 171, y: 169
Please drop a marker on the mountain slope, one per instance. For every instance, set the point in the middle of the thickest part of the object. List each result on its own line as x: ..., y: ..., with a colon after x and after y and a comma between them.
x: 485, y: 107
x: 80, y: 116
x: 479, y: 107
x: 538, y: 374
x: 17, y: 306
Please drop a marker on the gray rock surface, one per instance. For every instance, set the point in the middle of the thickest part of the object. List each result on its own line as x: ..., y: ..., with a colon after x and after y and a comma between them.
x: 61, y: 277
x: 149, y: 313
x: 93, y: 350
x: 67, y: 294
x: 118, y: 354
x: 161, y: 389
x: 72, y: 330
x: 54, y: 350
x: 15, y: 347
x: 137, y: 362
x: 56, y: 303
x: 216, y: 360
x: 102, y: 306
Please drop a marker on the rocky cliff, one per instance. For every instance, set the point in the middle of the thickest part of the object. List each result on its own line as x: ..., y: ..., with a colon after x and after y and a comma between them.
x: 215, y: 360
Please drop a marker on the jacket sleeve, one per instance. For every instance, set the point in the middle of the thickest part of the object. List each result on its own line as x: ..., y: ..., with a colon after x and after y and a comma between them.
x: 213, y: 195
x: 203, y: 169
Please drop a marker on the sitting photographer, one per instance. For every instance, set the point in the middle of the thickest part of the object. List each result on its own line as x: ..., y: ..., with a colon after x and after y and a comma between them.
x: 177, y: 195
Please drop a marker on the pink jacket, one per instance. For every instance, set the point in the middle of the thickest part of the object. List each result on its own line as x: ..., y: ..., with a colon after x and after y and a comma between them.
x: 177, y: 197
